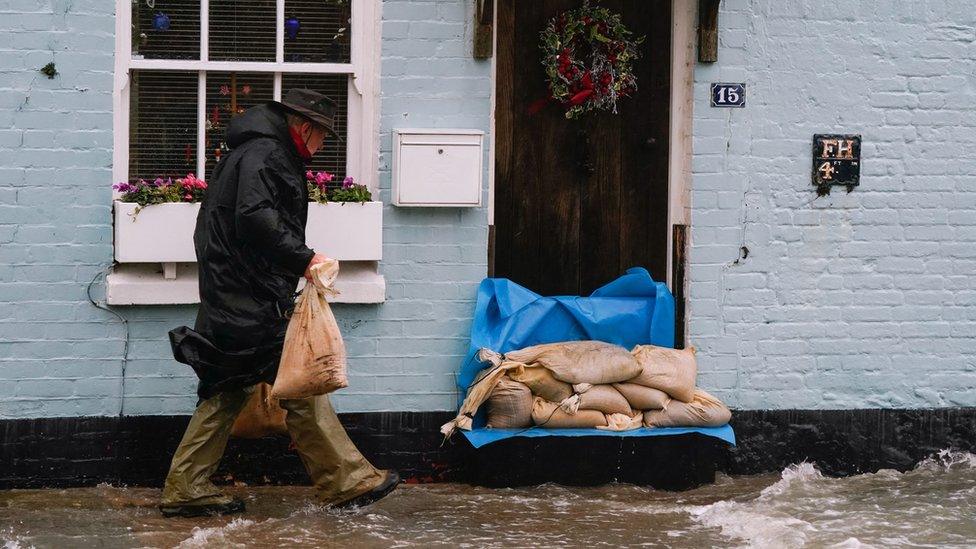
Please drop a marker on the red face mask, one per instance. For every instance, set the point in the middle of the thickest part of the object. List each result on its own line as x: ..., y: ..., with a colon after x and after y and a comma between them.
x: 300, y: 145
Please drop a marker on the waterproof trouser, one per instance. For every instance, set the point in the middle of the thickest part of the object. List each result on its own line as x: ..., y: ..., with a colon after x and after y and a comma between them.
x: 338, y: 470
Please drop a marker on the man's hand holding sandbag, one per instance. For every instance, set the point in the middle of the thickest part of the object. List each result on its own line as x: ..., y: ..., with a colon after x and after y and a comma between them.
x: 316, y: 259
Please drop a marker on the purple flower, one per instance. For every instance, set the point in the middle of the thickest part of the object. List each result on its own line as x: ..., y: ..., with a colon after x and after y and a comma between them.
x: 159, y: 182
x: 348, y: 182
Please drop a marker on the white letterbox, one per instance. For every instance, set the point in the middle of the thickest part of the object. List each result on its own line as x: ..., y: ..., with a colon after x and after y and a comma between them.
x: 437, y: 167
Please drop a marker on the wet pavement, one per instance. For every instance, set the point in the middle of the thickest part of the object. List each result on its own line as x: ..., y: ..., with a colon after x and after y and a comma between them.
x: 933, y: 505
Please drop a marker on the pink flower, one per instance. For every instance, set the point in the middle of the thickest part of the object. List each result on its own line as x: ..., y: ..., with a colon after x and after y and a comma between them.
x: 322, y: 178
x: 246, y: 90
x: 191, y: 182
x: 224, y: 90
x: 348, y: 182
x: 309, y: 175
x: 188, y: 197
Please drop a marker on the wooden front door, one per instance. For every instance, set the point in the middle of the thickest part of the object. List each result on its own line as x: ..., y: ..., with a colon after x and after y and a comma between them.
x: 577, y: 202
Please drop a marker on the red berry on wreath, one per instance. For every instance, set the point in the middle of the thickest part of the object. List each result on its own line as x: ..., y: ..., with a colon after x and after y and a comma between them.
x: 587, y: 81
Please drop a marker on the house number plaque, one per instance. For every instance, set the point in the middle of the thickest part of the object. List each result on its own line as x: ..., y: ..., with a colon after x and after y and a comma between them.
x: 726, y: 94
x: 836, y: 161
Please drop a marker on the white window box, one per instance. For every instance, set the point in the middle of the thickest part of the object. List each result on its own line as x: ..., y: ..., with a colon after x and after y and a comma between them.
x: 163, y: 234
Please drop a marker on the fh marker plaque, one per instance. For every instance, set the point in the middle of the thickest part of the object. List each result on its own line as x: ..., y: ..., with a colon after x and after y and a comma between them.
x: 836, y: 161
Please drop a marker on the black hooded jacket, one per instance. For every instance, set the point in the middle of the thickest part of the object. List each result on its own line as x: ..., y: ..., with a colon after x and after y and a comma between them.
x: 251, y: 252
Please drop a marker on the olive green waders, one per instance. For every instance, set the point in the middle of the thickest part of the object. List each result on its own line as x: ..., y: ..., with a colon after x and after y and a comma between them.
x: 338, y: 471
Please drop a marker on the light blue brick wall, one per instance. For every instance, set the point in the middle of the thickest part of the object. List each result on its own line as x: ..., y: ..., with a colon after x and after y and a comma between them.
x: 59, y: 356
x: 857, y: 300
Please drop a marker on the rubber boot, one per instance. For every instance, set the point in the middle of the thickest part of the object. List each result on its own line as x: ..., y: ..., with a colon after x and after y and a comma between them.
x: 338, y: 470
x: 188, y: 490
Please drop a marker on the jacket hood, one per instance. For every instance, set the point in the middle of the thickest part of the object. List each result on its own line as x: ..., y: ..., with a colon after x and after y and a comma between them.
x: 260, y: 121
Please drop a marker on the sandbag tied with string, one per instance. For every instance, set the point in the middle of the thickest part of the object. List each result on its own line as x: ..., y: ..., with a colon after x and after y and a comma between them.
x: 313, y: 361
x: 478, y: 392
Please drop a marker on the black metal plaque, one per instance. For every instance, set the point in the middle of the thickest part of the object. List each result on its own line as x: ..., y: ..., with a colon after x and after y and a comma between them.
x: 726, y: 94
x: 836, y: 161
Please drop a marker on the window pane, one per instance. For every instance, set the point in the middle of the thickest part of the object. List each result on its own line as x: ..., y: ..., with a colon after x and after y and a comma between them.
x: 228, y: 95
x: 242, y: 30
x: 317, y: 31
x: 166, y: 29
x: 162, y: 124
x: 332, y: 158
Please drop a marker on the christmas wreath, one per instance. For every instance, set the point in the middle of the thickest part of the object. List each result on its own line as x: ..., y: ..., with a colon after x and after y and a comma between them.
x: 588, y: 55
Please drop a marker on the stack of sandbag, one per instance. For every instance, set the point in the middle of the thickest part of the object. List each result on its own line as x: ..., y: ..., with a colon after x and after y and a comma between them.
x: 569, y: 385
x: 590, y: 384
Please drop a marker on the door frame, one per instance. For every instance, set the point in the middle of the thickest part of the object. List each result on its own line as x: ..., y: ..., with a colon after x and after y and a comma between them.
x: 684, y: 17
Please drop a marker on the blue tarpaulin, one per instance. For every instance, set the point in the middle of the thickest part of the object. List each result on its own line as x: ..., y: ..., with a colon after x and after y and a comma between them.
x: 631, y: 310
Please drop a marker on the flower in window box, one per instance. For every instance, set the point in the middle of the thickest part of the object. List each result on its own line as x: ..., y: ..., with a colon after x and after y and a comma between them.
x: 161, y: 191
x: 323, y: 178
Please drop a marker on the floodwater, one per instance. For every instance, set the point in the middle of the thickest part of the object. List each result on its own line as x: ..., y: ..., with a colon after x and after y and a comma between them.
x: 933, y: 505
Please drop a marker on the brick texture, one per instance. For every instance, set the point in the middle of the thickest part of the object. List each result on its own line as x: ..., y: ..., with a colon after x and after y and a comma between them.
x: 59, y: 356
x: 861, y: 300
x: 857, y: 300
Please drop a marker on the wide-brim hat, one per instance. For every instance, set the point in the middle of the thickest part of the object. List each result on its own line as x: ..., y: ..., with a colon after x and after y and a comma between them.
x: 317, y: 108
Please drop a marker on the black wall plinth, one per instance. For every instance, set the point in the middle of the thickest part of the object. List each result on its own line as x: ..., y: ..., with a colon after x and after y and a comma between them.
x: 65, y: 452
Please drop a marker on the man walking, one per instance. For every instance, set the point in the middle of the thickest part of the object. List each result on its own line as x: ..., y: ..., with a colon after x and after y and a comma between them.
x: 250, y: 246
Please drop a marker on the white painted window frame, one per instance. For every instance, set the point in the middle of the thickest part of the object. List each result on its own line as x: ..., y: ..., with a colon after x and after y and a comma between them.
x: 362, y: 137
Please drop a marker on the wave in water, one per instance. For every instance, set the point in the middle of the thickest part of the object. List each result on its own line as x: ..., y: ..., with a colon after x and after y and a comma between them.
x: 926, y: 506
x: 216, y: 535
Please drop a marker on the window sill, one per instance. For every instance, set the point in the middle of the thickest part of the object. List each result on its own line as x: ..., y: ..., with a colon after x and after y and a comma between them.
x: 145, y: 284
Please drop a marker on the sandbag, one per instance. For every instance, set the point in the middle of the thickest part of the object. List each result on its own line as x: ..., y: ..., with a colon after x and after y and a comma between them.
x: 703, y: 411
x: 260, y: 417
x: 623, y: 422
x: 313, y: 360
x: 549, y: 416
x: 603, y: 398
x: 594, y: 362
x: 670, y: 370
x: 478, y: 392
x: 509, y: 406
x: 540, y: 381
x: 642, y: 398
